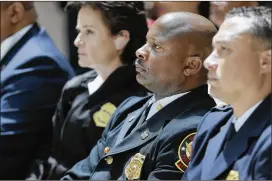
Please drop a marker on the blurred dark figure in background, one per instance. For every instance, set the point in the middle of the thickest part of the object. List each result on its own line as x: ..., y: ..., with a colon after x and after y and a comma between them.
x: 158, y: 8
x: 109, y: 33
x: 33, y: 73
x: 219, y: 9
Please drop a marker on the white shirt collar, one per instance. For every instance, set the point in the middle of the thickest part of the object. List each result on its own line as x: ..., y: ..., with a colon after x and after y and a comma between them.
x: 238, y: 123
x: 9, y: 42
x: 95, y: 84
x: 158, y: 105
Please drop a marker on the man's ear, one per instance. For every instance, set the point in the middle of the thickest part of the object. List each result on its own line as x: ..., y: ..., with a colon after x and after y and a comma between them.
x: 122, y: 38
x: 265, y: 61
x: 193, y: 65
x: 16, y: 12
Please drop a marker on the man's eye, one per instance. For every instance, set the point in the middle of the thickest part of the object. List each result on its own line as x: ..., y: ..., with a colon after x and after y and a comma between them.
x: 155, y: 46
x: 222, y: 48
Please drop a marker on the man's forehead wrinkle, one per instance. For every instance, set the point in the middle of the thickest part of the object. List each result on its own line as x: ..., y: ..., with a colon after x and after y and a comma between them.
x: 233, y: 26
x: 178, y: 28
x: 228, y: 35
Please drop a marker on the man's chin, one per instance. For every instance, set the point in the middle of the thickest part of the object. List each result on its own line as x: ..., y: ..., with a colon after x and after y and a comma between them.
x: 142, y: 80
x: 216, y: 93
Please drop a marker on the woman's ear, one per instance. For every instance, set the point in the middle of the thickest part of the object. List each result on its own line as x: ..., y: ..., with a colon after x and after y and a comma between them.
x: 122, y: 38
x: 193, y: 65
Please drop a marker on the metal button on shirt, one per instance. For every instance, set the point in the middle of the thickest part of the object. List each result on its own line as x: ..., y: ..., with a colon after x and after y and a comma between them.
x: 109, y: 160
x: 106, y: 150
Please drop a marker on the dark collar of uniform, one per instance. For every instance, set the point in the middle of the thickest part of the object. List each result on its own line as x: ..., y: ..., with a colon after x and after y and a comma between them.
x: 10, y: 54
x: 183, y: 103
x: 160, y: 119
x: 238, y: 144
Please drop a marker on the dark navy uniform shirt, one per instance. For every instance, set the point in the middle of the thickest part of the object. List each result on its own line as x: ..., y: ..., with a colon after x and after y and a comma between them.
x: 246, y: 155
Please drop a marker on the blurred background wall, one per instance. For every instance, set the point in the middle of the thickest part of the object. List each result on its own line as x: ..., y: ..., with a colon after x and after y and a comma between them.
x: 54, y: 19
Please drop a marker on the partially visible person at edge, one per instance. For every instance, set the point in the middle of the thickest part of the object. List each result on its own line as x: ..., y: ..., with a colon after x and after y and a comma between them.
x: 109, y: 33
x: 218, y: 9
x: 157, y: 8
x: 147, y: 137
x: 235, y: 140
x: 33, y: 72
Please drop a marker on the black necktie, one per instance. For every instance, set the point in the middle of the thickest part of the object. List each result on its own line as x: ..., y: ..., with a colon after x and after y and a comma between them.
x: 141, y: 119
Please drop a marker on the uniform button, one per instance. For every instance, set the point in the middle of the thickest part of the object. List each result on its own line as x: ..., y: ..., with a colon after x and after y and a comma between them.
x: 106, y: 150
x: 144, y: 134
x: 109, y: 160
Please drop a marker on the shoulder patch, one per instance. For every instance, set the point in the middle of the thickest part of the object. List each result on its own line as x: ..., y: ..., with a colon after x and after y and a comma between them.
x: 185, y: 152
x: 102, y: 117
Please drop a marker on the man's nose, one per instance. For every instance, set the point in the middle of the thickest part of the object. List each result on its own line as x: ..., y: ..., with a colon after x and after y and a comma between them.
x: 142, y: 54
x: 210, y: 62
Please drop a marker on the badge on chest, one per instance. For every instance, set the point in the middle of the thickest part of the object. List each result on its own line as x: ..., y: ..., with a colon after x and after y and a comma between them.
x: 134, y: 168
x: 102, y: 117
x: 233, y: 175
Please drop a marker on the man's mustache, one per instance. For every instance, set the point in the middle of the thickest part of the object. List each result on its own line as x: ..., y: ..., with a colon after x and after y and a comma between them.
x: 139, y: 63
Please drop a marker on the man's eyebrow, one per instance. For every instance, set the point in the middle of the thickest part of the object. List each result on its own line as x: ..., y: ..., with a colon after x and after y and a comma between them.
x: 156, y: 39
x: 220, y: 40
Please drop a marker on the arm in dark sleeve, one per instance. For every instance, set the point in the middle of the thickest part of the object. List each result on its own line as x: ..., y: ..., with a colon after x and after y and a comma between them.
x: 28, y: 101
x: 47, y: 167
x: 262, y: 161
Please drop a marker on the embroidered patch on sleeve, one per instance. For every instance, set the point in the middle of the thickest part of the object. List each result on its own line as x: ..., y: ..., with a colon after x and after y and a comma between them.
x: 102, y: 117
x: 185, y: 152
